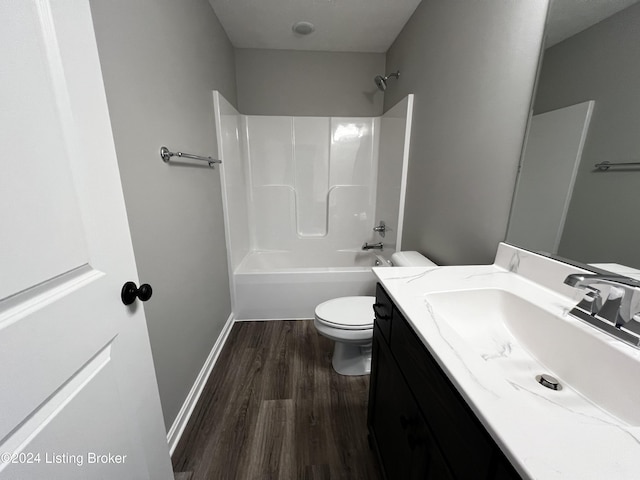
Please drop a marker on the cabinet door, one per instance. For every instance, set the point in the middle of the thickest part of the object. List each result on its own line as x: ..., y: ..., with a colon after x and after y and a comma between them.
x: 405, y: 445
x: 466, y: 445
x: 426, y: 460
x: 385, y: 418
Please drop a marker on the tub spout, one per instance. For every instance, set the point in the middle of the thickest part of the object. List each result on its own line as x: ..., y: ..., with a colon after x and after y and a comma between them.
x: 372, y: 246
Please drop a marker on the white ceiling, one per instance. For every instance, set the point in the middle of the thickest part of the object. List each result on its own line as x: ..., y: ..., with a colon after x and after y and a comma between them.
x: 341, y: 25
x: 367, y: 25
x: 568, y: 17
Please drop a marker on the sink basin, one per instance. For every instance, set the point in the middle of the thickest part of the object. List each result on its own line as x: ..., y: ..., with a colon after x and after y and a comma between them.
x: 522, y: 340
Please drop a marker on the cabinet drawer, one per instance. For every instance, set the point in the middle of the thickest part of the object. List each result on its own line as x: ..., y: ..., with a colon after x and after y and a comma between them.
x: 383, y: 309
x: 467, y: 448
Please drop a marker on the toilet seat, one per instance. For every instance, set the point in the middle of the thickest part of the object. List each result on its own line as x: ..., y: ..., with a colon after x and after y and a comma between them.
x: 347, y: 313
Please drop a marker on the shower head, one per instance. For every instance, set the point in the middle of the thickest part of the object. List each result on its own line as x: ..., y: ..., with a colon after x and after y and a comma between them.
x: 381, y: 82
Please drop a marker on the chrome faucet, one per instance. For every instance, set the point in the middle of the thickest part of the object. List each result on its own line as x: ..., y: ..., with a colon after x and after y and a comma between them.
x: 381, y: 228
x: 622, y: 302
x: 372, y: 246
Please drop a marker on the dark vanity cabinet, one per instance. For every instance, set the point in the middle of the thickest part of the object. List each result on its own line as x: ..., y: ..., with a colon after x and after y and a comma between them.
x: 419, y: 425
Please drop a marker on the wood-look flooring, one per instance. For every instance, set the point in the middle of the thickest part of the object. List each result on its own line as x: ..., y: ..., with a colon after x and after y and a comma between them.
x: 273, y: 408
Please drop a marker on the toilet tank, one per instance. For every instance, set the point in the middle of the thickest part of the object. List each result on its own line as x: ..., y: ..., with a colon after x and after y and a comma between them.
x: 411, y: 259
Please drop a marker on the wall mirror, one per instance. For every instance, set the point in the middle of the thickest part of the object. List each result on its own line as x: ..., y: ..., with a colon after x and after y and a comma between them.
x: 586, y: 111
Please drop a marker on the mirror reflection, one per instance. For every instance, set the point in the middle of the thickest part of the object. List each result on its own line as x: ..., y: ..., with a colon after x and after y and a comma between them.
x: 586, y: 111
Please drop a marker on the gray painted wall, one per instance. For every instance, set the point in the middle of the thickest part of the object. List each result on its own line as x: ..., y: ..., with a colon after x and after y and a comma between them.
x: 161, y: 59
x: 299, y: 83
x: 472, y: 67
x: 601, y: 64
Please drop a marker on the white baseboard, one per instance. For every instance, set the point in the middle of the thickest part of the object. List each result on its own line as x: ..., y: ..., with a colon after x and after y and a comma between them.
x: 180, y: 423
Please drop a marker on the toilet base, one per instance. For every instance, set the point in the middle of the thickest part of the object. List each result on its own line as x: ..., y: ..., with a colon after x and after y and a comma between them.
x: 351, y: 360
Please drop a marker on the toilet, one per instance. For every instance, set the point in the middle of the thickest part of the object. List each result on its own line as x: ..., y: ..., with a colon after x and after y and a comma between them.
x: 348, y: 321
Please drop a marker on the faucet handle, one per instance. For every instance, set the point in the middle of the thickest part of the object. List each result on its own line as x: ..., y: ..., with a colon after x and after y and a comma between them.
x: 629, y: 307
x: 591, y: 301
x: 610, y: 309
x: 381, y: 228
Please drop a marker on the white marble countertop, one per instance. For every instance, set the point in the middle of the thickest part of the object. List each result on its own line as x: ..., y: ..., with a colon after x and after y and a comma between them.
x: 545, y: 434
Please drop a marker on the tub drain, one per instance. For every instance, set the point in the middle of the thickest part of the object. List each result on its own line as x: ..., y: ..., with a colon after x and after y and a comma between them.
x: 548, y: 381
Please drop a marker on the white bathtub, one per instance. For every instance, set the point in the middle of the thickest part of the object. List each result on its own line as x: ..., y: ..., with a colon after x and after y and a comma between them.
x: 289, y: 285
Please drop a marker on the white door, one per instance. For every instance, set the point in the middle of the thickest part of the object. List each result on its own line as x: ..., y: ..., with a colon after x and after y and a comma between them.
x: 78, y: 394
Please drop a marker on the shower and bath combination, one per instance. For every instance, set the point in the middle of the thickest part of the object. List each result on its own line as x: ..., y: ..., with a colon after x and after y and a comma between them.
x: 381, y: 82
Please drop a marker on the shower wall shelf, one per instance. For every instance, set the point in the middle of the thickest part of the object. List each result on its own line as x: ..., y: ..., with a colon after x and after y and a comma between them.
x: 604, y: 166
x: 166, y: 154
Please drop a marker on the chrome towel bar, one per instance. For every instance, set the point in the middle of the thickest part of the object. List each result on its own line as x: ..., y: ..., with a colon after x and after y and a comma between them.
x: 604, y: 166
x: 166, y: 154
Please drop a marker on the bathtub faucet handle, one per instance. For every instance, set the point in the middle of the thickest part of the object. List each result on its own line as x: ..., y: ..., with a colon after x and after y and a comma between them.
x: 381, y: 228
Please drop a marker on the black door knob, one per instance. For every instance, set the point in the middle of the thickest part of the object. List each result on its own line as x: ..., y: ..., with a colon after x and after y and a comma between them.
x: 130, y: 292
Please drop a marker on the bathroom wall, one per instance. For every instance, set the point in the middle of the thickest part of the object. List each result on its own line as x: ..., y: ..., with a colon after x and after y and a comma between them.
x: 311, y: 182
x: 601, y: 63
x: 393, y: 157
x: 160, y: 60
x: 306, y: 83
x: 472, y: 67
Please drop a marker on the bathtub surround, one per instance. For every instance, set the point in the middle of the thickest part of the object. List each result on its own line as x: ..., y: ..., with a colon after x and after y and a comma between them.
x: 300, y: 184
x: 309, y: 83
x: 471, y: 66
x: 300, y: 196
x: 160, y: 60
x: 393, y: 166
x: 311, y: 182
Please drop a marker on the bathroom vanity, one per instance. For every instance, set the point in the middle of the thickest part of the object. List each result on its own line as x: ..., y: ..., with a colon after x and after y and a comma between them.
x: 454, y: 392
x: 420, y: 427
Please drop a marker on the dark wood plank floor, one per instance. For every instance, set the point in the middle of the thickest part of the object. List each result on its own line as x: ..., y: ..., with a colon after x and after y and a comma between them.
x: 273, y: 408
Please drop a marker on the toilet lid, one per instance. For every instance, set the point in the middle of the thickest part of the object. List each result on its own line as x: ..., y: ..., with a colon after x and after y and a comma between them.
x: 349, y: 313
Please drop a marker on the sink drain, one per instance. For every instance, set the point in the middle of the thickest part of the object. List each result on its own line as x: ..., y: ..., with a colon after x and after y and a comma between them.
x: 548, y: 381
